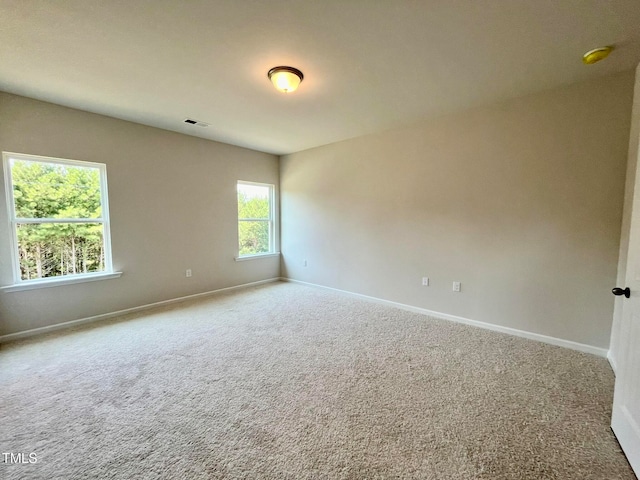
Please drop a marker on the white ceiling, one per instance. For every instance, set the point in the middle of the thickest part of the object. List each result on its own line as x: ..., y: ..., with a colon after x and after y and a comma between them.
x: 369, y: 65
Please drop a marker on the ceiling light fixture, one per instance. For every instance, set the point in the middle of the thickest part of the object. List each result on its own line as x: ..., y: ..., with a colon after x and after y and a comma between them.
x: 597, y: 54
x: 285, y: 79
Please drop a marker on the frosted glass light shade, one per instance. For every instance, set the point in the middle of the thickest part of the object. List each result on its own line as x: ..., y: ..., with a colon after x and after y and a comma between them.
x: 285, y: 79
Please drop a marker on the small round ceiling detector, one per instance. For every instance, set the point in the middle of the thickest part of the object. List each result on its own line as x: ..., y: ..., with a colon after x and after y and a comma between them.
x: 595, y: 55
x: 285, y: 79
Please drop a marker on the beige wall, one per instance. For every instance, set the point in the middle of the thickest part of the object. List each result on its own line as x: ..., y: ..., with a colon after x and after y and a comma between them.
x: 173, y: 207
x: 521, y: 202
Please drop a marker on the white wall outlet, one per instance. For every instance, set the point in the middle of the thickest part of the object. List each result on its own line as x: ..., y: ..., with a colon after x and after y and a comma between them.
x: 188, y: 272
x: 425, y: 281
x: 456, y: 286
x: 304, y: 262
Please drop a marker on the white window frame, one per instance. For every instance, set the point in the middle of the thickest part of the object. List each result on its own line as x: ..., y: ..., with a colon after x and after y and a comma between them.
x: 18, y: 282
x: 273, y: 223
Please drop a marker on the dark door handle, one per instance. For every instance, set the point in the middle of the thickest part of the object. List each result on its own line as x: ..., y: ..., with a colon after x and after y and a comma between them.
x: 619, y: 291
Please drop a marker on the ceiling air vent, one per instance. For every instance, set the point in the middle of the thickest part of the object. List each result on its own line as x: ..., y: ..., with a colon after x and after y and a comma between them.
x: 190, y: 121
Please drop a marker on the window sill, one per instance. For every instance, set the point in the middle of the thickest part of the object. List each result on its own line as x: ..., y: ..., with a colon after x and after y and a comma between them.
x: 57, y: 282
x: 254, y: 257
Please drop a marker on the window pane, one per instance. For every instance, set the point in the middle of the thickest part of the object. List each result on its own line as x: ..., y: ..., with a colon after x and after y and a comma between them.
x: 55, y: 249
x: 50, y: 190
x: 253, y: 201
x: 253, y: 237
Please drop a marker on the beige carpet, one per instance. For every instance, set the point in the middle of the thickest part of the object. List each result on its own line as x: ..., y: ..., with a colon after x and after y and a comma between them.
x: 291, y: 382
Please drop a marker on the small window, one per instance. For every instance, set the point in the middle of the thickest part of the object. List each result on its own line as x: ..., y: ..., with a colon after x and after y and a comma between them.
x: 256, y: 219
x: 58, y: 211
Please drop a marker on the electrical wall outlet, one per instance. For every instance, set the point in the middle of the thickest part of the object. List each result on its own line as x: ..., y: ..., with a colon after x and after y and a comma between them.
x: 425, y: 281
x: 188, y: 272
x: 456, y: 286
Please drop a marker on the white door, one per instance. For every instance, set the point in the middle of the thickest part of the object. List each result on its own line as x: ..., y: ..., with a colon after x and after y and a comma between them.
x: 625, y: 421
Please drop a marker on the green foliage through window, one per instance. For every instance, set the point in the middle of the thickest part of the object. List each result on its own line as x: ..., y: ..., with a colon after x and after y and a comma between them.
x: 45, y: 195
x: 255, y: 223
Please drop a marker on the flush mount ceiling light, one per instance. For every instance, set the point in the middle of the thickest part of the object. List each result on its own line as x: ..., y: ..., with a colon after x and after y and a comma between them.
x: 597, y: 54
x: 285, y: 79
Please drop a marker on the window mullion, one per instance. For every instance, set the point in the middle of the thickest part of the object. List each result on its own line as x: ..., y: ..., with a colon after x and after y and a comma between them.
x: 58, y: 220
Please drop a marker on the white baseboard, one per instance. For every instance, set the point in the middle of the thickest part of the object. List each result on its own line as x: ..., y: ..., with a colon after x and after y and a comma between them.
x: 612, y: 362
x: 104, y: 316
x: 601, y: 352
x: 581, y: 347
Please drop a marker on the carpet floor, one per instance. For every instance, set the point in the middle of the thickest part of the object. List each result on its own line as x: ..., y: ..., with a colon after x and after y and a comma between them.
x: 285, y: 381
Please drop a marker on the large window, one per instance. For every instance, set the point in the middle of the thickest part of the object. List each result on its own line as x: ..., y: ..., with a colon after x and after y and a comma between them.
x: 256, y: 219
x: 58, y: 211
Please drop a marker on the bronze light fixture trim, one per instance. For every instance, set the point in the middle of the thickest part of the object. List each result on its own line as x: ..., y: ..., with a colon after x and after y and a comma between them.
x: 285, y: 79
